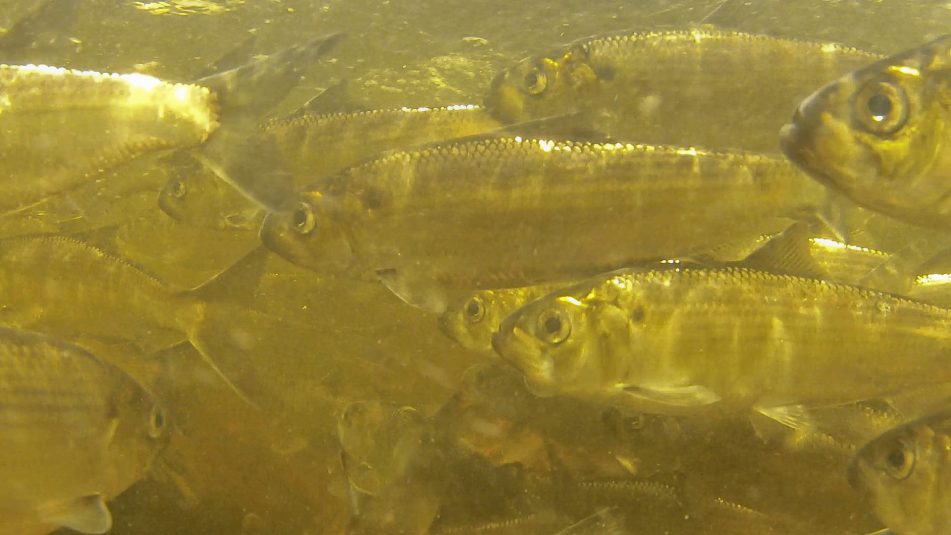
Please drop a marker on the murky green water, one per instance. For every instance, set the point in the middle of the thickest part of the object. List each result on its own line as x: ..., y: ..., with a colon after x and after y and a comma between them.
x: 475, y: 450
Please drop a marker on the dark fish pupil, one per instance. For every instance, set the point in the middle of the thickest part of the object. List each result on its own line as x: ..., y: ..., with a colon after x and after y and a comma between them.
x: 300, y: 218
x: 880, y: 106
x: 553, y: 325
x: 896, y: 459
x: 531, y: 79
x: 178, y: 189
x: 473, y: 308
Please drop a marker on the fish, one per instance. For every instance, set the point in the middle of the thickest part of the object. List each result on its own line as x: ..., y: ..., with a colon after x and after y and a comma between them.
x: 878, y: 135
x: 62, y: 127
x: 725, y: 341
x: 680, y: 87
x: 317, y: 145
x: 906, y: 473
x: 428, y: 221
x: 76, y: 432
x: 801, y: 251
x: 76, y: 291
x: 384, y: 451
x: 471, y: 320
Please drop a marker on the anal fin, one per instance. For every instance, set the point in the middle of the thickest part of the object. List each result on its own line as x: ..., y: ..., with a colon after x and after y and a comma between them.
x: 87, y: 514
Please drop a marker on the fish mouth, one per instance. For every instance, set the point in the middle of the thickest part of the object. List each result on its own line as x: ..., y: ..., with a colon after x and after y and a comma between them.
x: 520, y: 348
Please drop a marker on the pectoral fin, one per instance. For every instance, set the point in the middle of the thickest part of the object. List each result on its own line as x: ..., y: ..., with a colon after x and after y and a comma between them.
x: 674, y: 396
x: 88, y: 514
x: 796, y: 417
x: 420, y: 292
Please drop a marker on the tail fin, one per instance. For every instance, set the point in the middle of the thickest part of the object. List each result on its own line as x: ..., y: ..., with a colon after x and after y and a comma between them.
x: 260, y: 85
x: 238, y: 152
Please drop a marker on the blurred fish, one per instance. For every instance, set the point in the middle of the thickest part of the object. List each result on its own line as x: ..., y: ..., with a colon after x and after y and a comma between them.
x: 316, y: 146
x: 75, y: 433
x: 71, y: 289
x: 681, y: 341
x: 238, y: 153
x: 427, y: 220
x: 386, y: 453
x: 801, y: 251
x: 62, y: 127
x: 41, y: 35
x: 675, y: 87
x: 879, y: 135
x: 906, y: 472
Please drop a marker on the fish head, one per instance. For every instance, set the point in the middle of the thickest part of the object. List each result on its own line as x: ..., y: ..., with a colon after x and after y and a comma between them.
x: 904, y: 472
x: 565, y: 341
x: 541, y: 87
x: 306, y: 235
x: 140, y: 430
x: 380, y: 443
x: 194, y: 195
x: 880, y: 134
x: 471, y: 320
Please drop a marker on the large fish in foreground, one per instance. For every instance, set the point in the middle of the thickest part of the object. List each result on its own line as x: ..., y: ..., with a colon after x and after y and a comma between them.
x: 881, y: 135
x: 682, y: 341
x: 74, y: 433
x: 504, y: 212
x: 698, y: 86
x: 906, y: 472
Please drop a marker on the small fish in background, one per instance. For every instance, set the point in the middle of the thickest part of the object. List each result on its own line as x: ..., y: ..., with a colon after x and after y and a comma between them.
x: 906, y: 473
x: 75, y: 432
x: 388, y: 454
x: 317, y: 145
x: 77, y: 291
x: 509, y: 212
x: 41, y: 36
x: 677, y: 87
x: 880, y: 135
x: 686, y: 341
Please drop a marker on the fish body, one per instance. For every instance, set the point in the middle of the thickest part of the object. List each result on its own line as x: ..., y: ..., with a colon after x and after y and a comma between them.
x: 880, y: 135
x: 78, y: 292
x: 67, y: 287
x: 685, y: 340
x: 673, y: 87
x: 317, y: 145
x: 906, y: 472
x: 75, y: 432
x: 432, y: 219
x: 63, y: 126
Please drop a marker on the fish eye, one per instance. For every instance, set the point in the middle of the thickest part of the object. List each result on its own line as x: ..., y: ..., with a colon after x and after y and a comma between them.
x: 553, y: 326
x: 177, y: 189
x: 881, y: 107
x: 303, y: 219
x: 474, y: 310
x: 536, y: 81
x: 157, y: 422
x: 899, y: 460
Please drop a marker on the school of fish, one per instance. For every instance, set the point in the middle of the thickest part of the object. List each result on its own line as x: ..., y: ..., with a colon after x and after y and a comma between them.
x: 599, y: 297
